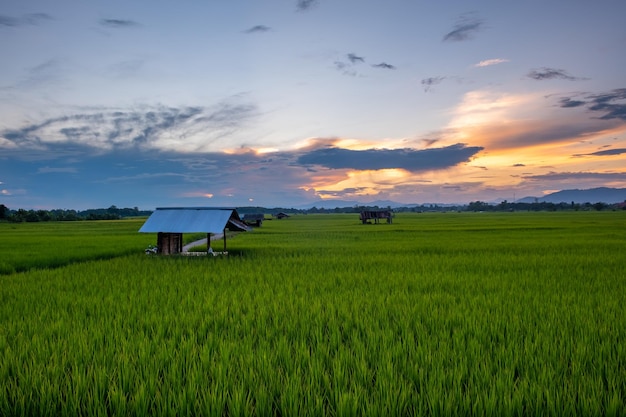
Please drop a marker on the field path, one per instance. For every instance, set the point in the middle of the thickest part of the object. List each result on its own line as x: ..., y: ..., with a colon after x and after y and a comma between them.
x: 188, y: 246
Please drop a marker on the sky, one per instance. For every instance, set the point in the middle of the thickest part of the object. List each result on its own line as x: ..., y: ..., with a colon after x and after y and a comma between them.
x: 286, y: 103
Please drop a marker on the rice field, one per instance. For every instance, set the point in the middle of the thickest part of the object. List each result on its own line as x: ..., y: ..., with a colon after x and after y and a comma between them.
x: 437, y: 314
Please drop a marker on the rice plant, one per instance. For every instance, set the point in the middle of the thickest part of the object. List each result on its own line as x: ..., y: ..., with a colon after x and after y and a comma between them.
x: 436, y: 314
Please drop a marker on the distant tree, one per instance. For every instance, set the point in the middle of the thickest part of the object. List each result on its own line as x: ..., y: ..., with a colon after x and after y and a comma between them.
x: 478, y: 206
x: 18, y: 216
x: 599, y: 206
x: 44, y: 215
x: 31, y: 216
x: 4, y: 212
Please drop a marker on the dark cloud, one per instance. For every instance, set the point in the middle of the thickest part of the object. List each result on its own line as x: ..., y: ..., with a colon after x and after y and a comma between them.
x: 35, y: 18
x: 519, y: 165
x: 353, y: 58
x: 612, y: 104
x: 429, y: 142
x: 304, y: 5
x: 568, y: 102
x: 375, y: 159
x: 348, y: 67
x: 384, y: 65
x: 345, y: 68
x: 27, y: 19
x: 607, y: 152
x: 464, y: 29
x: 118, y: 23
x: 427, y: 83
x: 258, y: 29
x: 551, y: 74
x: 158, y: 177
x: 563, y: 176
x: 8, y: 21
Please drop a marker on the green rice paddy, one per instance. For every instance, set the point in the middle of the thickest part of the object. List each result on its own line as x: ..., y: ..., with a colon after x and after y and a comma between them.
x: 437, y: 314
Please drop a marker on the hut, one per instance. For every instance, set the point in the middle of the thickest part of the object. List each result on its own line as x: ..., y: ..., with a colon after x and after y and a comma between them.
x: 281, y: 215
x: 253, y: 219
x: 169, y: 223
x: 367, y: 215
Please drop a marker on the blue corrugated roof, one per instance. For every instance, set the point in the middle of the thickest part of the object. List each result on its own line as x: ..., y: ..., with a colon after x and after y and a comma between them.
x: 189, y: 220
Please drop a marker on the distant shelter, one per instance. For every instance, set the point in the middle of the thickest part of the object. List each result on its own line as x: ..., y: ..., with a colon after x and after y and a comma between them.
x: 169, y: 223
x: 367, y: 216
x: 253, y: 219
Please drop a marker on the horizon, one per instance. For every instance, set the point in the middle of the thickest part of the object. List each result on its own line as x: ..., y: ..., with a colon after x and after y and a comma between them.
x: 580, y: 199
x: 296, y: 102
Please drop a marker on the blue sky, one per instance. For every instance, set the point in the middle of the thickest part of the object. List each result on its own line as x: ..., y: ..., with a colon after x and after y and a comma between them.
x: 289, y: 102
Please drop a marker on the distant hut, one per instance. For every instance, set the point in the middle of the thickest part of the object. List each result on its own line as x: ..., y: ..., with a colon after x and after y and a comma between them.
x: 367, y: 216
x: 253, y: 219
x: 281, y: 215
x: 171, y: 222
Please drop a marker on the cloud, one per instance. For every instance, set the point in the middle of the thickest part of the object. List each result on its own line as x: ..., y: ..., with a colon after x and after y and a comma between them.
x: 51, y: 170
x: 384, y: 65
x: 607, y: 152
x: 568, y: 102
x: 183, y: 129
x: 376, y: 159
x: 552, y: 74
x: 345, y: 68
x: 127, y: 68
x: 304, y: 5
x: 49, y: 72
x: 427, y: 83
x: 561, y: 176
x: 353, y: 58
x: 348, y: 68
x: 501, y: 121
x: 118, y: 23
x: 27, y: 19
x: 258, y: 29
x: 464, y: 29
x: 8, y: 21
x: 610, y: 103
x: 490, y: 62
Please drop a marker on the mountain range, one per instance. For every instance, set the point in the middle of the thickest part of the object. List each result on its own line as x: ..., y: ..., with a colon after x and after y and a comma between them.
x: 593, y: 195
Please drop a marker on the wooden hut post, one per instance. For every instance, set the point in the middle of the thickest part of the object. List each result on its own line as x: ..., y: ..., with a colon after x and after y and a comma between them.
x: 224, y: 240
x: 208, y: 243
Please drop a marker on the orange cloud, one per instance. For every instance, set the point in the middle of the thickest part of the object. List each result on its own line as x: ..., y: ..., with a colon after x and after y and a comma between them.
x: 505, y: 122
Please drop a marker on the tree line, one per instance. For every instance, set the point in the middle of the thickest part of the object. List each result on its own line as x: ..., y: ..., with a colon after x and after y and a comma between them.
x: 543, y: 206
x: 115, y: 213
x: 31, y: 216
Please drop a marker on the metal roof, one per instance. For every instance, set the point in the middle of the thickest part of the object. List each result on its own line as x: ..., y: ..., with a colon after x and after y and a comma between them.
x: 190, y: 220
